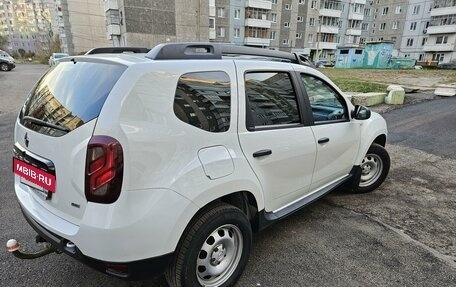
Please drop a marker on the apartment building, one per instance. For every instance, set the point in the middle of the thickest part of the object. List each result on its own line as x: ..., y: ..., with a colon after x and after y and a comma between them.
x: 414, y: 34
x: 150, y: 22
x: 26, y: 24
x: 440, y: 45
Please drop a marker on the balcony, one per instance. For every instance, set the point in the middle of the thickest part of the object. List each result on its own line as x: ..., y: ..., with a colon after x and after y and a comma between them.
x: 263, y: 42
x: 443, y: 29
x: 260, y: 23
x: 330, y: 13
x: 327, y: 45
x: 443, y: 11
x: 329, y: 29
x: 438, y: 47
x: 262, y: 4
x: 363, y: 2
x: 111, y: 5
x: 113, y: 30
x: 353, y: 32
x: 355, y: 16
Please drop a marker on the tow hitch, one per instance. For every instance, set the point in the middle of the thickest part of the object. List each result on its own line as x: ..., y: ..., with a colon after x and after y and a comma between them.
x: 13, y: 246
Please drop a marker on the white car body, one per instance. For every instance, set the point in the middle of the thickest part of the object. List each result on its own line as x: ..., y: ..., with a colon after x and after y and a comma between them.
x: 172, y: 169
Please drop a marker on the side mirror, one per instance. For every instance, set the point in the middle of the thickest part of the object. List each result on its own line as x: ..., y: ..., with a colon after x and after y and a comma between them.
x: 361, y: 113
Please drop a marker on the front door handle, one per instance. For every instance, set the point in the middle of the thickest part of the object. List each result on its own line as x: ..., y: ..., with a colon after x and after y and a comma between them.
x: 262, y: 152
x: 323, y: 140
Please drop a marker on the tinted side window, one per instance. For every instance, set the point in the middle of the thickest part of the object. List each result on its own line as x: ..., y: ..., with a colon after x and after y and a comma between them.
x: 203, y: 100
x: 271, y: 99
x: 326, y: 104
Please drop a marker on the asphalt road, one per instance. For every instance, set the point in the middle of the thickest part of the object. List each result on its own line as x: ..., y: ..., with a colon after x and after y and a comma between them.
x: 403, y: 234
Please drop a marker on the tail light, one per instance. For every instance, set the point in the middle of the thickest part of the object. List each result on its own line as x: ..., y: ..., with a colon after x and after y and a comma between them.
x: 104, y: 170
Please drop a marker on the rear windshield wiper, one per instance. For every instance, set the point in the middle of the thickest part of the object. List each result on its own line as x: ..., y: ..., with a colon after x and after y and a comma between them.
x: 45, y: 124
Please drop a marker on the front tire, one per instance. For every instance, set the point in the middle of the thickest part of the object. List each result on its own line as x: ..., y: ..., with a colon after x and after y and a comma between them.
x: 213, y: 250
x: 374, y: 168
x: 4, y: 67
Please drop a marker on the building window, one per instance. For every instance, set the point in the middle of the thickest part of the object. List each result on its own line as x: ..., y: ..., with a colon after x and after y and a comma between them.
x: 237, y: 33
x: 285, y: 41
x: 313, y: 4
x: 424, y: 41
x: 441, y: 40
x: 221, y: 12
x: 302, y: 2
x: 358, y: 8
x: 221, y: 32
x: 298, y: 35
x: 272, y: 35
x: 382, y: 26
x: 311, y: 21
x: 286, y: 24
x: 288, y: 6
x: 395, y: 25
x: 367, y: 12
x: 237, y: 13
x: 438, y: 57
x: 300, y: 19
x: 416, y: 9
x: 365, y: 26
x: 362, y: 41
x: 385, y: 11
x: 409, y: 42
x: 310, y: 38
x: 212, y: 23
x: 203, y: 100
x: 398, y: 10
x: 274, y: 18
x: 274, y: 1
x: 413, y: 26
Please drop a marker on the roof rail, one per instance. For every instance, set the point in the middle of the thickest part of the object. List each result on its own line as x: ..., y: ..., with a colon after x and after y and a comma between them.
x: 116, y: 50
x: 196, y: 50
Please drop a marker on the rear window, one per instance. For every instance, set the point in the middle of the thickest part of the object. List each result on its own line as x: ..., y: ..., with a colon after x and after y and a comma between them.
x: 68, y: 96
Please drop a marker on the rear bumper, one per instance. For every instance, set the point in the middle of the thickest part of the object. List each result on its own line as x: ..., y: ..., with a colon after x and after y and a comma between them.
x: 134, y: 270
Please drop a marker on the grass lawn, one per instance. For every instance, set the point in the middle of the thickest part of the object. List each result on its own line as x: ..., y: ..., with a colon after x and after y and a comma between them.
x: 370, y: 80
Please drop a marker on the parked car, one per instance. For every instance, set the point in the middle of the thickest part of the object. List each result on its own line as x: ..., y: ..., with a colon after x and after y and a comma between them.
x: 168, y: 162
x: 7, y: 63
x: 55, y: 57
x: 323, y: 63
x: 448, y: 66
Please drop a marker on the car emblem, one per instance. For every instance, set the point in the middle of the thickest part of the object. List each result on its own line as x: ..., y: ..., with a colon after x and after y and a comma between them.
x: 26, y: 139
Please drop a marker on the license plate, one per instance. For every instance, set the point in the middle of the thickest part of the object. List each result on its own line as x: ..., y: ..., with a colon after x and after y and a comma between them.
x: 36, y: 178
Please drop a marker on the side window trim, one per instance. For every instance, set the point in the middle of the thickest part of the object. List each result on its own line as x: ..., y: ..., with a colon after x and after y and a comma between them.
x: 249, y: 122
x: 336, y: 93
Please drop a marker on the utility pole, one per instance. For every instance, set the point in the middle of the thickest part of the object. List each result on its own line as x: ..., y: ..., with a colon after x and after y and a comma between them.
x: 318, y: 39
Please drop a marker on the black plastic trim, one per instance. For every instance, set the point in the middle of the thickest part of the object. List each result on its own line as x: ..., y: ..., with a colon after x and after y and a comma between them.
x: 208, y: 51
x: 264, y: 218
x: 137, y: 270
x: 117, y: 50
x: 26, y: 156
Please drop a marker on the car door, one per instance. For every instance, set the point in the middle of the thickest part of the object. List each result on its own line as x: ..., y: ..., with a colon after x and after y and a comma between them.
x: 336, y: 135
x: 278, y: 144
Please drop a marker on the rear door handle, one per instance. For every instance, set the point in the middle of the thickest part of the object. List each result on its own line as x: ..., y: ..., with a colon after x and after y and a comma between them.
x: 323, y: 140
x: 262, y: 152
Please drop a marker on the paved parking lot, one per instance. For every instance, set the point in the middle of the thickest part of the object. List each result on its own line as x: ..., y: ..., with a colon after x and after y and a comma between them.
x: 403, y: 234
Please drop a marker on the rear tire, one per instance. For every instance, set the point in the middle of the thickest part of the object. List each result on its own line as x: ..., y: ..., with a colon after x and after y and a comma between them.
x: 213, y: 250
x: 374, y: 169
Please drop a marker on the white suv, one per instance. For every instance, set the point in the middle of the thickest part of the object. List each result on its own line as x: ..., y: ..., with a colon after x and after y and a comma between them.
x: 166, y: 162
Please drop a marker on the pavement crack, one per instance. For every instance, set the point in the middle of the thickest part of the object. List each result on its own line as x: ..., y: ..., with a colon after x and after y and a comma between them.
x: 448, y: 259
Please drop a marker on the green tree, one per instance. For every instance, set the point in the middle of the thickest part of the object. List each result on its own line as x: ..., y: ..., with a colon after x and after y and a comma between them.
x: 3, y: 42
x: 22, y: 52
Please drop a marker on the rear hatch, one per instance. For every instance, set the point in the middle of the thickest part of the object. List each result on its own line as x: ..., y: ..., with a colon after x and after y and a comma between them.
x: 53, y: 130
